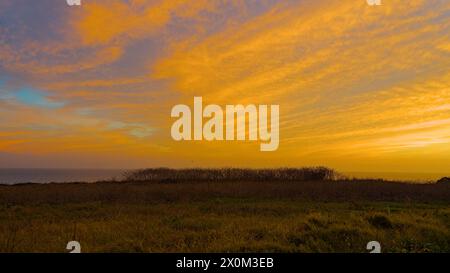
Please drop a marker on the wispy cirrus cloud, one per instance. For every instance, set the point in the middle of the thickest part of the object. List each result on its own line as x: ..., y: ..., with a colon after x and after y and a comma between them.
x: 355, y: 83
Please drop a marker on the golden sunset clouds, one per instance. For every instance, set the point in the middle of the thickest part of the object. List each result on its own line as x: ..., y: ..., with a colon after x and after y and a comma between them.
x: 359, y: 87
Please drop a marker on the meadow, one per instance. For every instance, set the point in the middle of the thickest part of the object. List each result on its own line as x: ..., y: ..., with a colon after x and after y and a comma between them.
x: 163, y: 210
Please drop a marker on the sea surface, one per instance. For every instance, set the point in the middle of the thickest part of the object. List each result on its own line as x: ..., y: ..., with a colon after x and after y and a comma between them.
x: 399, y: 176
x: 20, y: 176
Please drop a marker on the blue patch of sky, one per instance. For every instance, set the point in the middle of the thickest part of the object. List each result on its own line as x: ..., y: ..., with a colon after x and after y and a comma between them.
x: 34, y: 97
x: 28, y: 96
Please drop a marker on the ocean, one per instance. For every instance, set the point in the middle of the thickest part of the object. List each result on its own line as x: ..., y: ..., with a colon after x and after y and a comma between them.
x: 399, y: 176
x: 20, y: 176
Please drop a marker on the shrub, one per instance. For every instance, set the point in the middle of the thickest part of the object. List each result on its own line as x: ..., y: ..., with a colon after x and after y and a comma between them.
x: 380, y: 221
x: 444, y: 181
x: 231, y: 174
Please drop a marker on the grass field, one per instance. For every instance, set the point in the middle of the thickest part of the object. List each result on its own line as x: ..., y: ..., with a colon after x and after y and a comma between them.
x: 304, y: 216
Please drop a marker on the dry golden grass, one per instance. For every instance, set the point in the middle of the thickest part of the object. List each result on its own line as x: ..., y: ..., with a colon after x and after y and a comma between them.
x: 315, y: 216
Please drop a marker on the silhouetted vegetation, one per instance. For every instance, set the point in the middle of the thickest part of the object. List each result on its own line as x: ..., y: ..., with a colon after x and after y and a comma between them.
x: 213, y: 213
x: 155, y: 192
x: 444, y: 180
x: 232, y: 174
x: 380, y: 221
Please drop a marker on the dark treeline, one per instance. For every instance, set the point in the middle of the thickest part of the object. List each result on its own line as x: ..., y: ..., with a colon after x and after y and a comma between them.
x: 232, y: 174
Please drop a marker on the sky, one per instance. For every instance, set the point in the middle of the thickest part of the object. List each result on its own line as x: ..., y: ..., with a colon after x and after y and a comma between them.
x: 360, y: 88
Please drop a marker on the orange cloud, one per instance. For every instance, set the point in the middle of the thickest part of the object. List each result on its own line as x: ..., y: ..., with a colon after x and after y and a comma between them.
x: 358, y: 86
x: 116, y: 20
